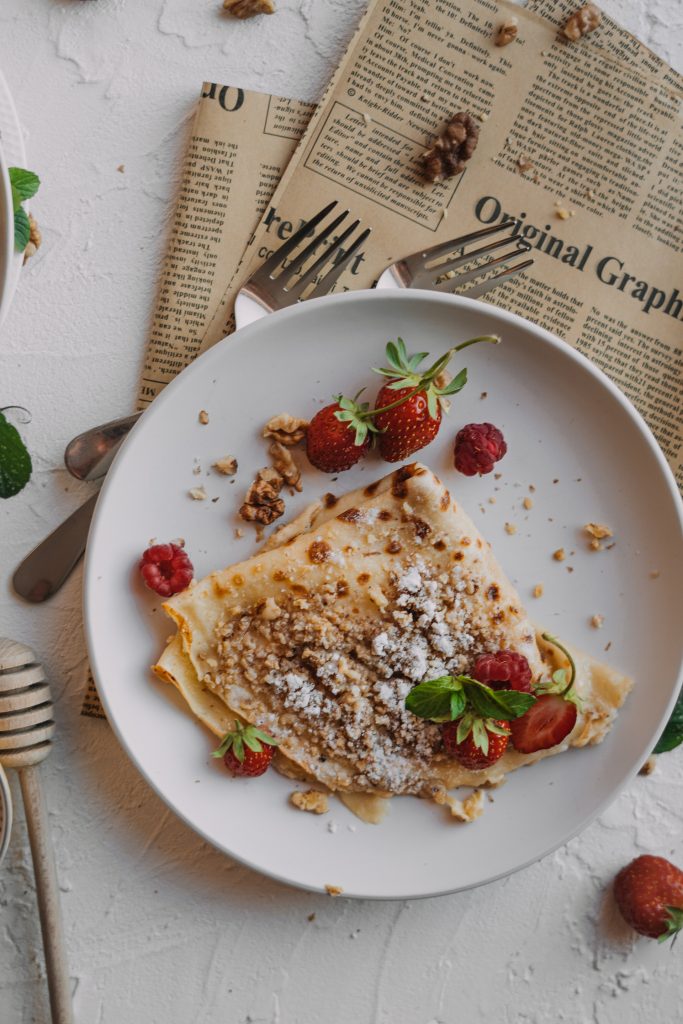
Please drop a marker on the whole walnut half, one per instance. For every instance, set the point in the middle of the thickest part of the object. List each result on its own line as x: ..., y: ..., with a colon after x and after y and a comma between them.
x: 582, y: 22
x: 507, y: 32
x: 249, y: 8
x: 452, y: 149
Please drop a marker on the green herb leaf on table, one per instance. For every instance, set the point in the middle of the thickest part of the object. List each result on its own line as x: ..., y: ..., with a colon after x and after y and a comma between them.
x: 672, y: 736
x: 22, y: 229
x: 15, y: 461
x: 24, y: 185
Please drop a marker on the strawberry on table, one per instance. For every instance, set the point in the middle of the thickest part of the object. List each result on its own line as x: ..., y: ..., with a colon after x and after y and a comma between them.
x: 246, y: 750
x: 649, y: 894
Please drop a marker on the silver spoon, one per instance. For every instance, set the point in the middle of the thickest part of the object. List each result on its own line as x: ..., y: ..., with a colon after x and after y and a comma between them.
x: 90, y: 454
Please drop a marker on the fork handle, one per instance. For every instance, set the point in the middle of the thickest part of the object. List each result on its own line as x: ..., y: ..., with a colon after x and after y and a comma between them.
x: 48, y: 896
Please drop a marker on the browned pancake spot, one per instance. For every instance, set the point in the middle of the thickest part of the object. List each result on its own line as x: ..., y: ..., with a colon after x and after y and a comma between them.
x: 466, y: 541
x: 371, y: 488
x: 279, y: 576
x: 393, y: 547
x: 458, y: 556
x: 351, y: 515
x: 330, y: 500
x: 421, y: 528
x: 445, y: 501
x: 319, y: 551
x: 493, y: 593
x: 363, y: 577
x: 384, y: 515
x: 342, y: 587
x: 237, y: 580
x: 440, y: 545
x: 498, y: 617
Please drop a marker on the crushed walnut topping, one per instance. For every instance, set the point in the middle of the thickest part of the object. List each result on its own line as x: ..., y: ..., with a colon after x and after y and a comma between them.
x: 312, y: 801
x: 559, y: 555
x: 34, y: 238
x: 248, y: 8
x: 507, y: 32
x: 581, y: 22
x: 285, y: 464
x: 227, y: 466
x: 285, y: 428
x: 452, y: 149
x: 323, y: 679
x: 262, y: 503
x: 203, y: 417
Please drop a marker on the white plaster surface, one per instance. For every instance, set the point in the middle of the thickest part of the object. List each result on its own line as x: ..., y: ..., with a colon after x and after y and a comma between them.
x: 160, y: 927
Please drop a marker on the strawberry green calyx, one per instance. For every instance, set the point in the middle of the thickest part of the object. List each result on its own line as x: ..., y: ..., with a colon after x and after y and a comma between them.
x: 674, y: 924
x: 357, y: 415
x: 560, y: 683
x: 242, y: 736
x: 404, y: 369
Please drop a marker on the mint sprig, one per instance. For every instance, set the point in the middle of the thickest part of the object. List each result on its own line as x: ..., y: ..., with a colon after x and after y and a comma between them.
x: 672, y: 736
x: 242, y: 736
x: 446, y: 698
x: 15, y: 461
x: 24, y: 185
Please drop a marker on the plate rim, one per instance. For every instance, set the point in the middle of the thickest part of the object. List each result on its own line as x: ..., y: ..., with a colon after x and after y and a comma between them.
x: 360, y: 296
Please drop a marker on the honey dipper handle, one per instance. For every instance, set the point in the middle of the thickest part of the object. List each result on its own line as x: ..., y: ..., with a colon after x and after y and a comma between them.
x: 48, y: 896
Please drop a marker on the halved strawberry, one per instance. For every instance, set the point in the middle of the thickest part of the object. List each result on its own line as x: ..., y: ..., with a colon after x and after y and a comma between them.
x: 544, y: 725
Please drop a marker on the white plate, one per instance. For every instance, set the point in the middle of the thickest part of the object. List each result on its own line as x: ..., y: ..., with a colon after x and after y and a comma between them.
x: 570, y: 433
x: 14, y: 155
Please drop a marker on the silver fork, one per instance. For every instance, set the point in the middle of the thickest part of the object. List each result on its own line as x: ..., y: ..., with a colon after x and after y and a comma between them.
x: 278, y: 283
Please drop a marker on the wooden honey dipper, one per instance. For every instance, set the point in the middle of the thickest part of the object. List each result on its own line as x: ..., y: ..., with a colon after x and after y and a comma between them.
x: 26, y: 728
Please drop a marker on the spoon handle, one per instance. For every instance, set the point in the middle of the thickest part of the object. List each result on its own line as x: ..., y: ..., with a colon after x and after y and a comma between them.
x: 48, y: 896
x: 46, y: 568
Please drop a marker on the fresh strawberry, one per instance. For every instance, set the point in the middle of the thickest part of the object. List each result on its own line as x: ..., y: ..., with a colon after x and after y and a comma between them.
x: 550, y: 720
x: 246, y: 750
x: 544, y: 725
x: 408, y: 427
x: 409, y: 405
x: 482, y: 745
x: 338, y: 436
x: 649, y: 894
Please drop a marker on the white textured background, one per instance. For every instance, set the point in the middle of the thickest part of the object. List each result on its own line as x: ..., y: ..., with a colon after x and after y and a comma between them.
x: 161, y: 928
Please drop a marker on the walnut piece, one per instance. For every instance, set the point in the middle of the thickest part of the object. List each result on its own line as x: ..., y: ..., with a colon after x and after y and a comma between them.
x: 227, y: 465
x: 262, y: 503
x: 559, y: 555
x: 469, y: 809
x: 287, y: 429
x: 334, y: 890
x: 598, y: 530
x: 538, y: 590
x: 285, y: 464
x: 312, y: 801
x: 511, y: 529
x: 507, y: 32
x: 452, y: 149
x: 34, y: 238
x: 597, y: 621
x: 203, y: 417
x: 249, y: 8
x: 583, y: 21
x: 649, y: 766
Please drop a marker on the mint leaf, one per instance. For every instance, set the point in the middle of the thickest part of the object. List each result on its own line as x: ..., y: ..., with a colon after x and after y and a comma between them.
x: 24, y: 184
x: 502, y: 704
x: 22, y: 229
x: 457, y: 384
x: 15, y: 461
x: 458, y: 703
x: 673, y: 732
x: 433, y: 699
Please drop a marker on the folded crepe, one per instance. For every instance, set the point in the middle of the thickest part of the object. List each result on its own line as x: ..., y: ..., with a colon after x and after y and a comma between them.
x: 319, y: 638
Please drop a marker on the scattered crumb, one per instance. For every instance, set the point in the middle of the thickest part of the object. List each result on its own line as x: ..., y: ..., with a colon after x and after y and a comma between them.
x: 492, y: 500
x: 595, y: 544
x: 469, y: 809
x: 562, y: 214
x: 654, y: 575
x: 570, y: 568
x: 528, y: 503
x: 510, y: 528
x: 444, y: 213
x: 203, y: 417
x: 121, y: 168
x: 334, y: 890
x: 198, y: 494
x: 532, y: 488
x: 332, y: 826
x: 559, y: 555
x: 196, y: 470
x: 490, y: 797
x: 556, y: 480
x: 649, y: 766
x: 367, y: 118
x: 485, y: 394
x: 351, y: 828
x: 608, y: 645
x: 538, y: 590
x: 597, y: 621
x: 312, y: 800
x: 227, y: 466
x: 239, y: 533
x: 524, y: 164
x: 311, y: 917
x: 598, y: 530
x: 590, y: 194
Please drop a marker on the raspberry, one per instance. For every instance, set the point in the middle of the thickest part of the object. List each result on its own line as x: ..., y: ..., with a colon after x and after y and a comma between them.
x: 504, y: 670
x: 166, y: 569
x: 478, y: 447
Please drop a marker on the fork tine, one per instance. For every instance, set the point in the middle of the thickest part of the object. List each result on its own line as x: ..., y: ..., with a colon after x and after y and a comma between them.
x: 458, y: 261
x: 280, y: 254
x: 332, y: 275
x: 316, y: 242
x: 324, y: 258
x: 493, y: 282
x: 453, y: 283
x: 444, y: 248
